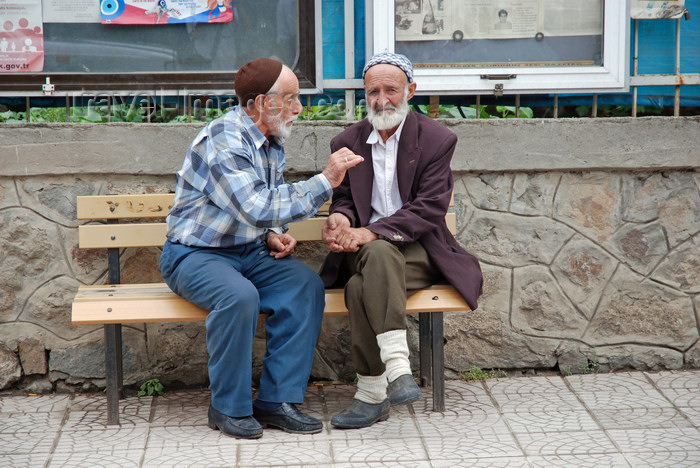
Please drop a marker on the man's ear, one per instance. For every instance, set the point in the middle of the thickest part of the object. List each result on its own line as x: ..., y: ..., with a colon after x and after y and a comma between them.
x: 411, y: 90
x: 260, y: 103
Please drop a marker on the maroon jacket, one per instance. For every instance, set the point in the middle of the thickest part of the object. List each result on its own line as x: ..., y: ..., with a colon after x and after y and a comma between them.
x: 425, y: 185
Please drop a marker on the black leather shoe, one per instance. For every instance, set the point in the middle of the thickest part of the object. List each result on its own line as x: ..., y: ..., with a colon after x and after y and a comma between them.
x: 240, y: 428
x: 360, y: 414
x: 288, y: 418
x: 403, y: 390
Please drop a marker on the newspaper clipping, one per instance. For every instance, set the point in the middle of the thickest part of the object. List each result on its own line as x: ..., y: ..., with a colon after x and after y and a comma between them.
x: 429, y: 20
x: 646, y: 9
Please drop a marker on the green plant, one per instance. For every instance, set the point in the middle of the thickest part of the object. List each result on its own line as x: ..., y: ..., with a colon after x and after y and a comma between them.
x: 566, y: 370
x: 592, y: 364
x: 475, y: 373
x: 150, y: 388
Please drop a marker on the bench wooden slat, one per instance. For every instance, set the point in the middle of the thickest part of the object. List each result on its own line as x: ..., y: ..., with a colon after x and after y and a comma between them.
x: 152, y: 205
x: 143, y: 303
x: 149, y: 205
x: 105, y: 236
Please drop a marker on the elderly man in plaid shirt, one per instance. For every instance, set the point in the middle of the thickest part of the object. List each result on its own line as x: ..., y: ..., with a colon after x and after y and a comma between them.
x: 228, y: 252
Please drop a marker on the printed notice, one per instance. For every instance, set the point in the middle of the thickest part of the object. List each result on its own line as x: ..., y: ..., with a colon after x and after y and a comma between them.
x: 656, y: 9
x: 71, y: 11
x: 165, y: 11
x: 21, y: 36
x: 429, y: 20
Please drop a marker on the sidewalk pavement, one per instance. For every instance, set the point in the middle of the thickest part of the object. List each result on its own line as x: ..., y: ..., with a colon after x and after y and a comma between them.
x: 636, y: 419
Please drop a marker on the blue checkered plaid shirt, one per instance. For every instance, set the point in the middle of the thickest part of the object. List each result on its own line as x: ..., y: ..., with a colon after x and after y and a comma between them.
x: 231, y: 191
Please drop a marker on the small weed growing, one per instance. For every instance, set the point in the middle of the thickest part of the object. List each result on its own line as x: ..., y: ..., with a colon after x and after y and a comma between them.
x: 475, y: 373
x: 591, y: 367
x: 150, y: 388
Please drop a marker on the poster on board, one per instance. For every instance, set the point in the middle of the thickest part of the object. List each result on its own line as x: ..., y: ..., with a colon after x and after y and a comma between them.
x: 71, y: 11
x: 430, y: 20
x: 649, y: 9
x: 21, y: 36
x: 165, y: 11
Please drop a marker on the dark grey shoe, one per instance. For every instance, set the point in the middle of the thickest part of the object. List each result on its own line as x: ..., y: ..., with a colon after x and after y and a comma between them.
x: 361, y: 414
x: 288, y: 418
x: 403, y: 391
x: 240, y: 428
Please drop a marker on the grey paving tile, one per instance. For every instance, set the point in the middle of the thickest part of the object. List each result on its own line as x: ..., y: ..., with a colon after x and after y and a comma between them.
x: 378, y: 450
x: 392, y: 464
x: 219, y: 455
x: 498, y: 462
x: 181, y: 408
x: 176, y: 438
x: 657, y: 440
x: 298, y: 453
x: 11, y: 423
x: 538, y: 402
x: 595, y: 460
x: 103, y: 441
x: 473, y: 444
x: 676, y: 380
x: 121, y: 459
x: 527, y: 385
x: 660, y: 459
x: 641, y: 418
x: 693, y: 415
x: 35, y: 440
x: 617, y: 391
x: 34, y: 404
x: 314, y: 404
x: 393, y: 428
x: 90, y: 412
x: 683, y: 398
x: 449, y: 424
x: 459, y: 395
x: 23, y: 460
x: 337, y: 397
x: 578, y: 443
x: 548, y: 421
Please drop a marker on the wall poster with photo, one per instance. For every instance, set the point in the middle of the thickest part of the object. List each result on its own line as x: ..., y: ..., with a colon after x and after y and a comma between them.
x: 446, y: 38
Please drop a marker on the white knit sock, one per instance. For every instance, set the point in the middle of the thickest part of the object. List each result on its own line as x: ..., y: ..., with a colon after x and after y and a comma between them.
x: 370, y: 388
x: 393, y: 350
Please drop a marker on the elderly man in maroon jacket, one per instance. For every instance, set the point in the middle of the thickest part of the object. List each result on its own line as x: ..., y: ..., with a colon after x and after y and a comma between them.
x: 387, y: 235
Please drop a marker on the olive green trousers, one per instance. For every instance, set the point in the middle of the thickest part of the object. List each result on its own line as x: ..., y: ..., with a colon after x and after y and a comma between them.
x: 383, y: 276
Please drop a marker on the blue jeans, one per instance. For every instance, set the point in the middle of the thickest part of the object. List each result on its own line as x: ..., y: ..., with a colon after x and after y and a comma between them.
x: 236, y: 284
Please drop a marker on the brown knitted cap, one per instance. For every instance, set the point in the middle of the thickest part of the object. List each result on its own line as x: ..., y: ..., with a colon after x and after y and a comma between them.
x: 256, y: 77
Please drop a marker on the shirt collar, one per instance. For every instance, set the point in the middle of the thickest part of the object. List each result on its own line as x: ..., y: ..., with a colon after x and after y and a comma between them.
x: 374, y: 137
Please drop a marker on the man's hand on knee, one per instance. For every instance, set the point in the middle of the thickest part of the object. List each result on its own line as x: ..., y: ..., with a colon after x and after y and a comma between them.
x: 280, y: 245
x: 332, y: 229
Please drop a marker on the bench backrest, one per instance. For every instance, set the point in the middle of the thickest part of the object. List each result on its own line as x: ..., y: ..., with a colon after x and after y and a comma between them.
x: 152, y: 208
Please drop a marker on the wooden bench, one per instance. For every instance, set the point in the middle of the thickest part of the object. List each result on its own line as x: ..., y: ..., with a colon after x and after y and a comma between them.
x: 114, y: 304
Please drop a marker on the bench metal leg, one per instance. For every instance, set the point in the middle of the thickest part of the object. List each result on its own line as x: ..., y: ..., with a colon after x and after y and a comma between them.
x: 113, y: 368
x: 113, y: 345
x: 438, y: 361
x: 426, y: 372
x: 432, y: 356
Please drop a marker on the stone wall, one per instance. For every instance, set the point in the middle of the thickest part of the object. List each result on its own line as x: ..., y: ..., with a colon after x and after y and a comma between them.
x: 588, y: 232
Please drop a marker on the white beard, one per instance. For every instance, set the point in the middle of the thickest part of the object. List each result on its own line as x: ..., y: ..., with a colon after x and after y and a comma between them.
x: 387, y: 117
x: 279, y: 127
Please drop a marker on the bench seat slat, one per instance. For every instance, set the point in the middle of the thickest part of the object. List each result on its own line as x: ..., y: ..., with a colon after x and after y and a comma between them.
x: 155, y: 302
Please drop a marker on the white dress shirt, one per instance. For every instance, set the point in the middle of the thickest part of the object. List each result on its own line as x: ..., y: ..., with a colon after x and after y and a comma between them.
x: 386, y: 199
